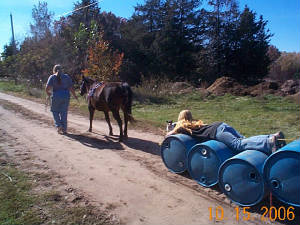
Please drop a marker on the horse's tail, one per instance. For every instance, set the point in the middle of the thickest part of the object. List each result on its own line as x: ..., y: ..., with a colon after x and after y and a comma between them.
x: 128, y: 101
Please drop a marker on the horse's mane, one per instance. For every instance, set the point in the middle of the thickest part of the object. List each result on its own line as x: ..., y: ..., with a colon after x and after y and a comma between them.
x: 89, y: 80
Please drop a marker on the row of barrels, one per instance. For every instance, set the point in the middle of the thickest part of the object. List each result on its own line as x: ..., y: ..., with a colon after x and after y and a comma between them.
x: 245, y: 178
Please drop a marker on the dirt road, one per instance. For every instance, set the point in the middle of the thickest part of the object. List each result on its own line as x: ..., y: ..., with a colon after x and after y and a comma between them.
x: 128, y: 178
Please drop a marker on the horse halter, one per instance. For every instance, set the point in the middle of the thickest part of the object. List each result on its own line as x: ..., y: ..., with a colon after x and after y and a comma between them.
x: 83, y: 88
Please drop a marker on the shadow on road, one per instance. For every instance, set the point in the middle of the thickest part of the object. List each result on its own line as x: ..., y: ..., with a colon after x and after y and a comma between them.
x: 97, y: 142
x: 143, y: 145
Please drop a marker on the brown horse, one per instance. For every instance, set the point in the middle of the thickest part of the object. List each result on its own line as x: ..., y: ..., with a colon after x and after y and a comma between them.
x: 108, y: 96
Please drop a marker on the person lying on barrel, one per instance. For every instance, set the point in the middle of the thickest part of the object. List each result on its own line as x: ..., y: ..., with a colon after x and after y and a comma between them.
x: 226, y: 134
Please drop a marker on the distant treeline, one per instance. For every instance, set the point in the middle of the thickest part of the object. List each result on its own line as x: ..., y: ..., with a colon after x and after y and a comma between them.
x: 179, y: 40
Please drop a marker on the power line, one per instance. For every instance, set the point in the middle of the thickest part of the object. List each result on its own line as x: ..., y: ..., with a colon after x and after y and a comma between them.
x: 77, y: 9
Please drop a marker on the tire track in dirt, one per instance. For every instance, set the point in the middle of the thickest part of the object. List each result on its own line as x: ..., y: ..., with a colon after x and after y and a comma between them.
x: 129, y: 178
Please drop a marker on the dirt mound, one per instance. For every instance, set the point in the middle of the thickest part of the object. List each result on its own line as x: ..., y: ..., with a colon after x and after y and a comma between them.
x: 229, y: 85
x: 225, y: 85
x: 290, y: 87
x: 265, y: 87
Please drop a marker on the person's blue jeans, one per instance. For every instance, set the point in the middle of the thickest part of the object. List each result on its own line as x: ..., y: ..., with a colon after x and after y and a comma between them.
x: 59, y: 108
x: 230, y: 137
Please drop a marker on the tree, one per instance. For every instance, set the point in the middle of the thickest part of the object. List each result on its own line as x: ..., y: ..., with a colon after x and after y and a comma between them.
x: 42, y: 21
x: 110, y: 25
x: 35, y: 60
x: 84, y: 38
x: 286, y: 67
x: 2, y: 70
x: 85, y: 12
x: 250, y: 61
x: 9, y: 62
x: 178, y: 40
x: 103, y: 62
x: 165, y: 35
x: 273, y: 53
x: 76, y: 32
x: 8, y: 50
x: 220, y: 37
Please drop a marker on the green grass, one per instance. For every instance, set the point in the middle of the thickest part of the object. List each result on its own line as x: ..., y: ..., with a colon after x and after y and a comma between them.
x: 249, y: 115
x: 9, y: 86
x: 16, y: 199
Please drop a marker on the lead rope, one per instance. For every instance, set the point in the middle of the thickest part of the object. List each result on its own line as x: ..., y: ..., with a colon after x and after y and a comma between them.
x: 47, y: 103
x: 287, y: 139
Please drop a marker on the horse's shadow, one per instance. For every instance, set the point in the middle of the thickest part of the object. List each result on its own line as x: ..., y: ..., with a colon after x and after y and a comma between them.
x: 143, y: 145
x: 97, y: 143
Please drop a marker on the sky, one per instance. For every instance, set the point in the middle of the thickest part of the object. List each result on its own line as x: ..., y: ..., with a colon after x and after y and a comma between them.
x: 283, y: 17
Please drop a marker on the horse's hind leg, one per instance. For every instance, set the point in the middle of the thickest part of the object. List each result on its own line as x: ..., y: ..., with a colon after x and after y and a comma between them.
x: 108, y: 122
x: 118, y: 119
x: 92, y: 111
x: 125, y: 124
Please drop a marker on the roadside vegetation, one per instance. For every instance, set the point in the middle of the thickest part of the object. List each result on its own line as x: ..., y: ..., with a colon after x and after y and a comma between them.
x: 249, y: 115
x: 24, y: 200
x: 180, y: 40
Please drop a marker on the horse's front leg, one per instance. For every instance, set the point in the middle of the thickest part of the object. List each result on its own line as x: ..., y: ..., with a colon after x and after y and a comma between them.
x: 108, y: 122
x: 92, y: 111
x: 118, y: 119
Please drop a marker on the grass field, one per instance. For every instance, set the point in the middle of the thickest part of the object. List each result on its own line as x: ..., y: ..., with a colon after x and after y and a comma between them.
x: 249, y: 115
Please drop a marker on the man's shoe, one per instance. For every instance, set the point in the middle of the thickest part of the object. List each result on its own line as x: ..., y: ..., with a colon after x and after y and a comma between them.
x: 59, y: 130
x: 279, y: 140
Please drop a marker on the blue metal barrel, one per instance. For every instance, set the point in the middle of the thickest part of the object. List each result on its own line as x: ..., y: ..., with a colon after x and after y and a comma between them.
x: 241, y: 178
x: 174, y: 150
x: 204, y: 160
x: 282, y: 173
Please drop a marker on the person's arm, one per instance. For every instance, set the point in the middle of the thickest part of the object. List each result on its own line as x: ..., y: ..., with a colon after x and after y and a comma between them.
x: 71, y: 89
x: 73, y: 93
x: 48, y: 90
x: 180, y: 129
x: 170, y: 132
x: 49, y: 86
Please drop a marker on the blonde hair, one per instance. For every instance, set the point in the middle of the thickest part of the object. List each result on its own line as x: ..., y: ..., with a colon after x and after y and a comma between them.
x: 186, y: 123
x: 185, y: 115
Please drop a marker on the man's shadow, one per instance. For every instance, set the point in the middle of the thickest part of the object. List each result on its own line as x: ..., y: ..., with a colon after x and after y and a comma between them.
x: 97, y: 142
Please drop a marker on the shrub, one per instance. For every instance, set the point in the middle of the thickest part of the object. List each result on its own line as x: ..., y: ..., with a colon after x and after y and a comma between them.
x: 286, y: 67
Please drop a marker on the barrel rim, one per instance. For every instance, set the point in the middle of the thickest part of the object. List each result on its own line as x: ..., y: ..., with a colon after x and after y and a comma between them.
x: 272, y: 157
x: 263, y: 183
x: 266, y: 170
x: 175, y: 136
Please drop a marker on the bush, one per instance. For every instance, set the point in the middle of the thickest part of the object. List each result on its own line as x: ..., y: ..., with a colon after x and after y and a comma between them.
x: 286, y: 67
x: 153, y: 90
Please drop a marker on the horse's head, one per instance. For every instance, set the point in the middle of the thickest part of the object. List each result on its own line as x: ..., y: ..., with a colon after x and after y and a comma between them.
x: 83, y: 89
x: 85, y: 85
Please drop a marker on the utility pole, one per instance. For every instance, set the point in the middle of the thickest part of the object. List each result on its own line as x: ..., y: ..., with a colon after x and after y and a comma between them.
x: 13, y: 35
x: 218, y: 38
x: 15, y: 75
